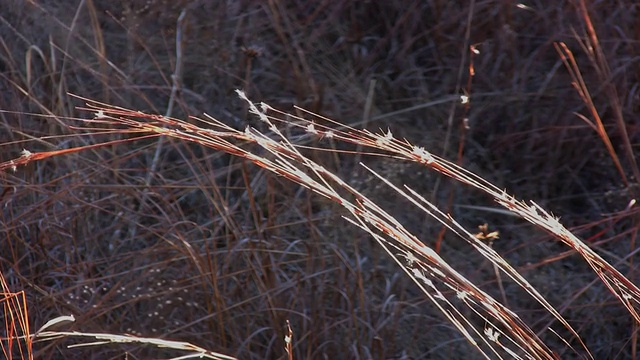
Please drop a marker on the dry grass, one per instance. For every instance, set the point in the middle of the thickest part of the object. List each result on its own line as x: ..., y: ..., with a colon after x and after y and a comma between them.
x: 157, y: 233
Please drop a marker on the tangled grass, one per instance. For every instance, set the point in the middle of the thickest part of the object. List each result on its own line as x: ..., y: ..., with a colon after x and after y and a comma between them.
x: 144, y: 234
x: 503, y: 333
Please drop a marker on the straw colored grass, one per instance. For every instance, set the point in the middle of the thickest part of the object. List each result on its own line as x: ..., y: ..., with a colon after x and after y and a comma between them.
x: 366, y: 194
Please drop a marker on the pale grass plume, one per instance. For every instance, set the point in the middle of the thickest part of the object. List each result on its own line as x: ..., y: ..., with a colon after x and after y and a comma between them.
x: 504, y: 333
x: 430, y: 272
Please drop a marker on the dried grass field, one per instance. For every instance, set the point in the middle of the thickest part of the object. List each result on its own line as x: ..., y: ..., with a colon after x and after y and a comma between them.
x: 329, y: 179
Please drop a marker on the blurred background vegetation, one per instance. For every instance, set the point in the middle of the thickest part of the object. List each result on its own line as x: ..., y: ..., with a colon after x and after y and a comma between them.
x: 166, y: 239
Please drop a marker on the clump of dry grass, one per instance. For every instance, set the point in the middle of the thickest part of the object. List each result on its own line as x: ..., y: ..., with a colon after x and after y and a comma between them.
x: 443, y: 285
x: 166, y: 239
x: 16, y: 323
